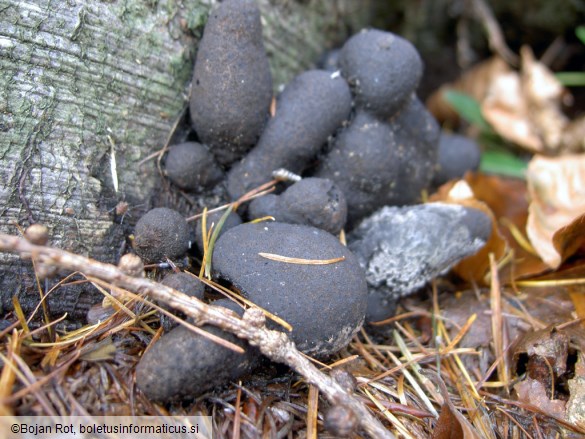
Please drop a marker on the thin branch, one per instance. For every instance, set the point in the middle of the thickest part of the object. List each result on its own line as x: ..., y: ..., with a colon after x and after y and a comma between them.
x: 494, y: 32
x: 273, y: 344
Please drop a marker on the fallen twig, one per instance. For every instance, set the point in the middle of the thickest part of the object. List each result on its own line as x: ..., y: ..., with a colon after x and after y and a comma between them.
x: 273, y: 344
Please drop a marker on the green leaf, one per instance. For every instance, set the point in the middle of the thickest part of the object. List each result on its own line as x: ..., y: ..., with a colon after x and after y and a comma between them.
x: 467, y: 108
x: 502, y: 162
x: 580, y: 32
x: 571, y: 79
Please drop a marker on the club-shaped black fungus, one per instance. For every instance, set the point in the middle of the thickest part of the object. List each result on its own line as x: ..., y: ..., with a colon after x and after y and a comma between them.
x: 161, y: 233
x: 309, y: 110
x: 192, y: 167
x: 383, y: 70
x: 313, y: 202
x: 457, y: 155
x: 184, y: 364
x: 232, y: 83
x: 403, y: 248
x: 325, y: 304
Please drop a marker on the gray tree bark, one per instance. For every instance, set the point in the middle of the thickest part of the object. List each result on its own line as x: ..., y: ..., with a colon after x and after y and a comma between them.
x: 85, y: 80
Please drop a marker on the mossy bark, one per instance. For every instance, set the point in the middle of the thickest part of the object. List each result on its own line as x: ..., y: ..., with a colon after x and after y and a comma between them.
x: 86, y: 80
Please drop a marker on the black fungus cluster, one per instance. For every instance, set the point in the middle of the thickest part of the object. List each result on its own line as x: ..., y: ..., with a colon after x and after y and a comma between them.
x: 360, y: 139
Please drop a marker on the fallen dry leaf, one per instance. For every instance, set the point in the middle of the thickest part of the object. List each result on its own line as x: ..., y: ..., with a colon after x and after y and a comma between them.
x: 543, y: 354
x: 574, y: 135
x: 576, y: 403
x: 556, y: 226
x: 448, y: 426
x: 569, y: 239
x: 534, y: 392
x: 506, y: 109
x: 525, y: 107
x: 452, y: 424
x: 508, y: 200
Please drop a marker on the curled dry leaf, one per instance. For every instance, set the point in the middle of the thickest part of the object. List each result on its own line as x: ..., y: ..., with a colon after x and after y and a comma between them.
x: 556, y: 215
x: 525, y: 107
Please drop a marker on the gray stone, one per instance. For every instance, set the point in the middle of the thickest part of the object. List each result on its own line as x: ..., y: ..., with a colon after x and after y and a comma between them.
x: 403, y: 248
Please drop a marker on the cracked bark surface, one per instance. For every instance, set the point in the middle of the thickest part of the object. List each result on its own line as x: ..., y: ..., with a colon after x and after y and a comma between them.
x: 83, y: 78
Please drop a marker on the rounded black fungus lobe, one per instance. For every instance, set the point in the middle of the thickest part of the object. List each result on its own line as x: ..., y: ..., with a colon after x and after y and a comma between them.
x: 364, y: 164
x: 185, y: 283
x: 184, y: 364
x: 232, y: 84
x: 232, y: 220
x: 457, y: 155
x: 267, y: 205
x: 309, y: 110
x: 314, y: 202
x: 161, y: 233
x: 383, y: 70
x: 376, y: 163
x: 192, y: 167
x: 325, y: 304
x: 417, y: 136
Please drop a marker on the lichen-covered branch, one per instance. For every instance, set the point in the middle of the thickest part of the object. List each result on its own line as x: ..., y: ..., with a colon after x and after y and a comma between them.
x: 273, y: 344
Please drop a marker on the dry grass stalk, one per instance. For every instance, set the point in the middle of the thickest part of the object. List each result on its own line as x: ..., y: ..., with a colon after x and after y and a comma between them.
x: 273, y: 344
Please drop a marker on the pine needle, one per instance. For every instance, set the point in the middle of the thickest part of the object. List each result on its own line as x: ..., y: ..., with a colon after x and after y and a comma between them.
x: 300, y: 261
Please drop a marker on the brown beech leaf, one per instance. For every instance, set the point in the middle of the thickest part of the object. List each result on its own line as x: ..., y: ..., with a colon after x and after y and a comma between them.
x: 574, y: 135
x: 448, y: 426
x: 452, y: 424
x: 544, y: 95
x: 569, y: 239
x: 508, y: 200
x: 556, y: 225
x: 543, y: 354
